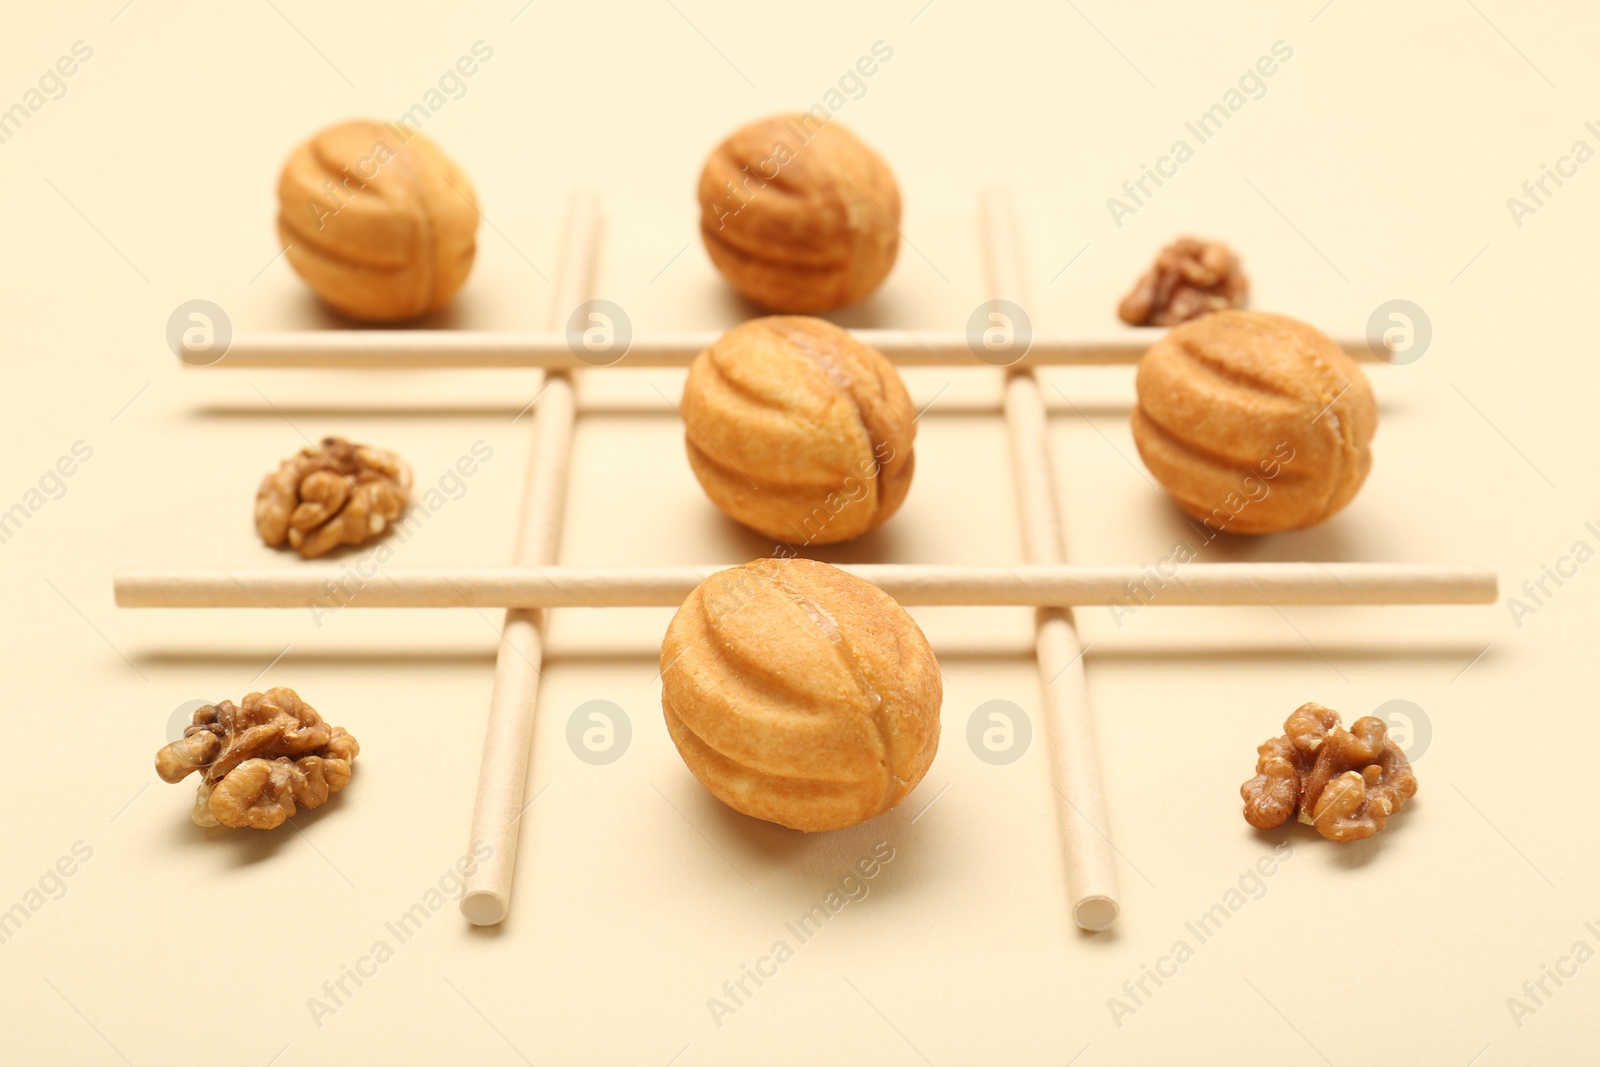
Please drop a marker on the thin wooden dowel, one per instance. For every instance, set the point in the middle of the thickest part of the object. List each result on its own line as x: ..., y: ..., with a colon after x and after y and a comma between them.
x: 325, y: 588
x: 508, y: 738
x: 419, y: 349
x: 1075, y: 765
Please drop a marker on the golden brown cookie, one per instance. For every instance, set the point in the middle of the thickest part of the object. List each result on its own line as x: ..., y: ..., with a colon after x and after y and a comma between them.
x: 798, y: 430
x: 799, y: 215
x: 1254, y: 422
x: 799, y: 694
x: 378, y: 221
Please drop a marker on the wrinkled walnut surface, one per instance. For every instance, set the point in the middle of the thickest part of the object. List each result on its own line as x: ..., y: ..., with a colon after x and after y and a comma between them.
x: 1191, y: 277
x: 261, y: 761
x: 1346, y: 783
x: 335, y: 494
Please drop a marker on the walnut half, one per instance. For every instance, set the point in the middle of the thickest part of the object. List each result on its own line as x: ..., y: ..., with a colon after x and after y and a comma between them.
x: 334, y: 494
x: 258, y: 762
x: 1191, y: 277
x: 1346, y: 783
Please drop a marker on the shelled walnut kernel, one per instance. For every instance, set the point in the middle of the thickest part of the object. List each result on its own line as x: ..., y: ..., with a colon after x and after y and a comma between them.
x: 1191, y: 277
x: 334, y: 494
x: 259, y: 761
x: 1346, y: 783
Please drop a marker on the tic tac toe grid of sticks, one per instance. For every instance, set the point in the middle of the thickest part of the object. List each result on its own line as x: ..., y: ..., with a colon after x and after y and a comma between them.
x: 535, y: 583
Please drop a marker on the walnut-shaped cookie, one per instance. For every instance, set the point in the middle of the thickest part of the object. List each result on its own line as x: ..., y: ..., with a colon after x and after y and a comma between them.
x: 1346, y: 783
x: 1254, y: 422
x: 799, y: 694
x: 259, y: 762
x: 379, y: 222
x: 799, y: 215
x: 333, y: 494
x: 798, y: 430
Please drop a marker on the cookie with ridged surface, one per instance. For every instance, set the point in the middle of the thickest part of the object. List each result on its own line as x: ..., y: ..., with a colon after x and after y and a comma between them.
x: 379, y: 222
x: 798, y: 430
x: 799, y: 694
x: 799, y: 215
x: 1254, y: 422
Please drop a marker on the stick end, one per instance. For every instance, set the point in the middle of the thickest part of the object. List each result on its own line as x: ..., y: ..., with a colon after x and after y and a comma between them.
x: 483, y: 908
x: 1095, y: 913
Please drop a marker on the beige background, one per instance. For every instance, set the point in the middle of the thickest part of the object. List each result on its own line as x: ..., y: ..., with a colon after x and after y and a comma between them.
x: 1376, y: 166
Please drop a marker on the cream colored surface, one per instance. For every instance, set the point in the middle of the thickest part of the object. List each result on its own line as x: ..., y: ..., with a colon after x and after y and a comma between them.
x: 1376, y: 166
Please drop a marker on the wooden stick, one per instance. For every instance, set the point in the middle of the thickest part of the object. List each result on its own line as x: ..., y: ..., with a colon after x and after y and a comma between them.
x: 325, y: 588
x: 1091, y: 870
x: 414, y: 349
x: 502, y: 780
